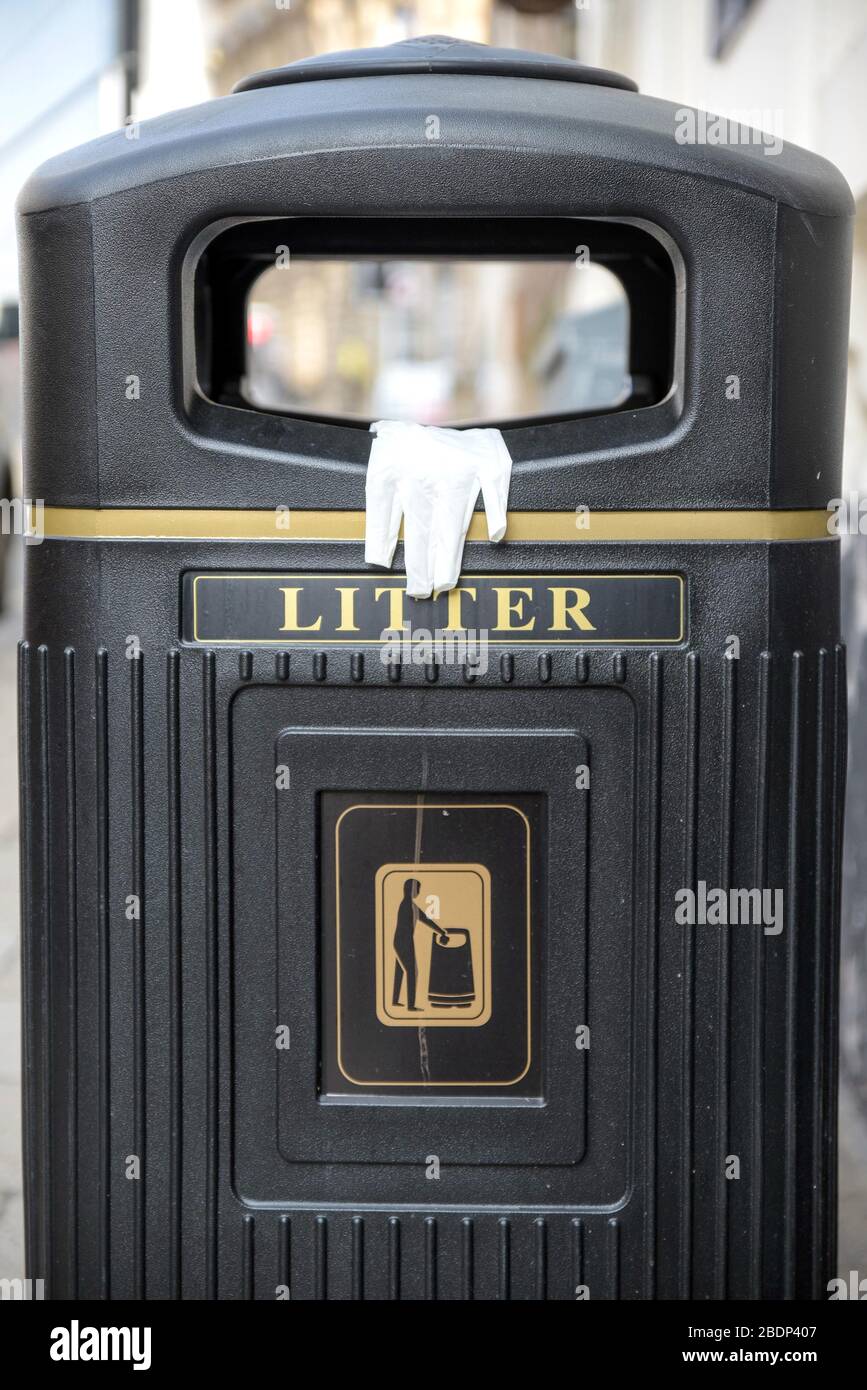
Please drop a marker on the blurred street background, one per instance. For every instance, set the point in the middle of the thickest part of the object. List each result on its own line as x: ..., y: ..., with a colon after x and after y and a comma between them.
x: 72, y: 69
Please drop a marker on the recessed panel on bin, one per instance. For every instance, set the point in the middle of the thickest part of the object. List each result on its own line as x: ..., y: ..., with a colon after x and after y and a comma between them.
x: 502, y: 845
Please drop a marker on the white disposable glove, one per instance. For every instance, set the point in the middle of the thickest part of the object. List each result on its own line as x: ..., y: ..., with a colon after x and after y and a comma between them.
x: 431, y: 478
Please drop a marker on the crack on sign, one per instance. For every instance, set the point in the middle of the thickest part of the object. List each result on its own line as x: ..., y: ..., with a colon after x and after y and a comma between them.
x: 423, y: 1054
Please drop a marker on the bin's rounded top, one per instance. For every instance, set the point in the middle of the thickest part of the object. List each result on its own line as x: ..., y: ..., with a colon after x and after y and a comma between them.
x: 435, y: 53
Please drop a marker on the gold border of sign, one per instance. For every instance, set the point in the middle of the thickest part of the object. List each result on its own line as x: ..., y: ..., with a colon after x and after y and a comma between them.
x: 435, y: 806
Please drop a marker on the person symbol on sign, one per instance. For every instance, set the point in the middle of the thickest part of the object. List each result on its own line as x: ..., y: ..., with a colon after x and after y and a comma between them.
x: 406, y: 960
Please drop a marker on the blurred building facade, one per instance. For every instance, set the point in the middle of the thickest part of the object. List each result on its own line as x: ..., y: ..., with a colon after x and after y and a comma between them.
x: 68, y: 69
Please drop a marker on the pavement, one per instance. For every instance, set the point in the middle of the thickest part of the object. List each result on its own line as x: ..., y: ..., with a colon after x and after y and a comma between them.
x: 852, y: 1229
x: 853, y: 1130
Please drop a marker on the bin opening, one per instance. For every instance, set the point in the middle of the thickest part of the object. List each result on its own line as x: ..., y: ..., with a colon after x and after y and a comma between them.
x: 442, y: 321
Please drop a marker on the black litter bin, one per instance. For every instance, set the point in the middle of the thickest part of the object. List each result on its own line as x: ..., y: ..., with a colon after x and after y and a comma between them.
x: 631, y: 805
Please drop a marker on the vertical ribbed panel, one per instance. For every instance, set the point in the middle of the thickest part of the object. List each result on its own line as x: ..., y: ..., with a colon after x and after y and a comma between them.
x: 46, y: 973
x: 71, y: 945
x: 823, y: 849
x: 137, y: 886
x: 467, y: 1259
x: 726, y: 831
x: 654, y: 790
x: 839, y: 711
x: 248, y: 1256
x: 505, y: 1260
x: 578, y: 1279
x: 452, y: 1257
x: 30, y: 1024
x: 211, y: 1000
x: 541, y: 1261
x: 104, y: 1183
x: 757, y: 1001
x: 821, y: 927
x: 690, y: 875
x: 320, y: 1258
x: 613, y: 1257
x: 394, y: 1257
x: 357, y: 1258
x: 431, y: 1258
x: 284, y: 1254
x: 175, y: 969
x: 86, y: 981
x: 793, y: 905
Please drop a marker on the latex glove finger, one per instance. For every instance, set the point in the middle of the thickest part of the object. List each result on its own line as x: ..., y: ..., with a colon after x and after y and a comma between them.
x: 495, y: 475
x: 453, y: 518
x: 418, y: 493
x: 383, y: 510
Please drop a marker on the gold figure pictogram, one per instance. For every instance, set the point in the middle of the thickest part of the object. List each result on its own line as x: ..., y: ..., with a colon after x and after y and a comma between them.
x: 433, y: 945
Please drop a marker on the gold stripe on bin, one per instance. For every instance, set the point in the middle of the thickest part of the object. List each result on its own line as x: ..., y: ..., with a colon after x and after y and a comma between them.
x: 217, y: 524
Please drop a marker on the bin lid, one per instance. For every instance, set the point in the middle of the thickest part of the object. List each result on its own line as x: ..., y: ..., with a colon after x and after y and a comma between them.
x: 435, y: 53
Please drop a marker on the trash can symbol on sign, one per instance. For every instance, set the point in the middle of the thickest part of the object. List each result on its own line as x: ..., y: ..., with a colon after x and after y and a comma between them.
x: 451, y: 984
x: 433, y: 945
